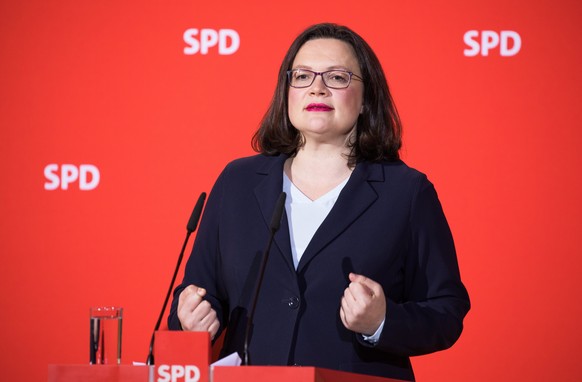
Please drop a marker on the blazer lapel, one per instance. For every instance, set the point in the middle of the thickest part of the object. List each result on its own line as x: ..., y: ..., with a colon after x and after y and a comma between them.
x: 356, y: 197
x: 267, y: 192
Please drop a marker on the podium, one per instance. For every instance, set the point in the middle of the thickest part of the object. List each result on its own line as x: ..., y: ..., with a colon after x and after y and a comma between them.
x: 99, y: 373
x: 185, y: 357
x: 289, y: 374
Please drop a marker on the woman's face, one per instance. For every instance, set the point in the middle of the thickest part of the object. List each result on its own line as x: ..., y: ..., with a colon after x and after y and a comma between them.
x: 320, y: 113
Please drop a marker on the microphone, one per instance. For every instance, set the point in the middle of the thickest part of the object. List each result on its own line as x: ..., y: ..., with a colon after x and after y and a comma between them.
x: 273, y: 228
x: 190, y: 227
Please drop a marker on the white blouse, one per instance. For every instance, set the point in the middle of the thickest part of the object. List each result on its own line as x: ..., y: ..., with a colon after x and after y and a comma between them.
x: 305, y: 215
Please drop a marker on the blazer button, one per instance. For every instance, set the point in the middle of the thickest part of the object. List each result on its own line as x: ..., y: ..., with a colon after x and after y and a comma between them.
x: 293, y: 302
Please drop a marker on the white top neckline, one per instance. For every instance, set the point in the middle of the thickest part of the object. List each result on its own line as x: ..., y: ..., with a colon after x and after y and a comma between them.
x: 305, y: 215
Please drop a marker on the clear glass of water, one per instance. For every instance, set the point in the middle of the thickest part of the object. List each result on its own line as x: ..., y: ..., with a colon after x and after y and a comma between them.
x: 105, y: 335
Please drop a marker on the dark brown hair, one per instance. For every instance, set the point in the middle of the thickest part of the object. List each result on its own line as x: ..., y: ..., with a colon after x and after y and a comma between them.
x: 378, y: 129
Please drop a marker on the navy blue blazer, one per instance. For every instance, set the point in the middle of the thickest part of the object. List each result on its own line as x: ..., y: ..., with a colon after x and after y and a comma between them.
x: 387, y: 224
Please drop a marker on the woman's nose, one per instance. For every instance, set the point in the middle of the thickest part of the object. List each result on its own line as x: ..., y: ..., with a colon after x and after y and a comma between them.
x: 318, y: 86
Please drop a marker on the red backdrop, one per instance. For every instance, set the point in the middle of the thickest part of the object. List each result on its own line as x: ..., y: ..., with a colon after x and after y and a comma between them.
x: 108, y: 84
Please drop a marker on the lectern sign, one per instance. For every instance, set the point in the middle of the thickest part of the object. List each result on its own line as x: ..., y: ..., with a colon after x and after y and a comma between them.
x: 182, y: 356
x: 178, y: 373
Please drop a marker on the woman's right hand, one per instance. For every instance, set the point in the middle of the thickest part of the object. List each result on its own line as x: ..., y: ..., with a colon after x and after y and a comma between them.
x: 195, y: 313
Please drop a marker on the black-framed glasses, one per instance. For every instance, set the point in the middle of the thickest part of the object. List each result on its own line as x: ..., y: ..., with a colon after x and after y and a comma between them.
x: 334, y: 79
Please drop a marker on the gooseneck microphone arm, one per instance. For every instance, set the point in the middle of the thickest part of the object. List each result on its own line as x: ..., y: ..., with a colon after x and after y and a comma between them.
x: 191, y: 227
x: 273, y: 228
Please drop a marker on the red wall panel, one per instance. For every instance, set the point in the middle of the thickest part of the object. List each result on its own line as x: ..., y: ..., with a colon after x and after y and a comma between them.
x: 108, y: 84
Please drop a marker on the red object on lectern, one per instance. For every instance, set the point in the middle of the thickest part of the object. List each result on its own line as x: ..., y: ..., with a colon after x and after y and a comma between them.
x: 289, y: 374
x: 182, y: 356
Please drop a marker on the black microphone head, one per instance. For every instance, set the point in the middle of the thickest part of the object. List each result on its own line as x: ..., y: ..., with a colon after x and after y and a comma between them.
x: 195, y: 217
x: 278, y: 212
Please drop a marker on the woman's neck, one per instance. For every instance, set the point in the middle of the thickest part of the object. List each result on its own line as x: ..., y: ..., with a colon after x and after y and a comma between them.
x: 317, y: 170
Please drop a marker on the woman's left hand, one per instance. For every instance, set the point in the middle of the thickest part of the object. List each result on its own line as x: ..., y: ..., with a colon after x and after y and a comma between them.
x: 363, y: 305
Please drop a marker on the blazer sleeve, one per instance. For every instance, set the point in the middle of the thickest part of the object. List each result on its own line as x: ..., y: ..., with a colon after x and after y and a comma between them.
x: 201, y: 268
x: 430, y: 316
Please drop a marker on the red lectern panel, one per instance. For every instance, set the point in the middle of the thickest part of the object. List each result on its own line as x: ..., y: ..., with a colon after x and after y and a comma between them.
x: 288, y: 374
x: 98, y: 373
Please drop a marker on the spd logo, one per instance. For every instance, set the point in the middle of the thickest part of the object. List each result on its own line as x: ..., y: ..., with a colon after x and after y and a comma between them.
x: 508, y: 43
x: 226, y: 41
x: 178, y: 373
x: 87, y: 176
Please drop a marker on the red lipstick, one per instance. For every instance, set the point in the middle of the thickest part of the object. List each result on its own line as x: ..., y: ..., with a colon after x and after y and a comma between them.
x: 318, y: 107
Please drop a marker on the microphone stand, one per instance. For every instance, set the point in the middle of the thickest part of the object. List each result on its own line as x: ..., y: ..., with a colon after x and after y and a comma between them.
x: 191, y: 227
x: 273, y: 227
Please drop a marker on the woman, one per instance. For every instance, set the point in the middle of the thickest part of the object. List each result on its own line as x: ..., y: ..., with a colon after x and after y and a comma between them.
x: 363, y: 272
